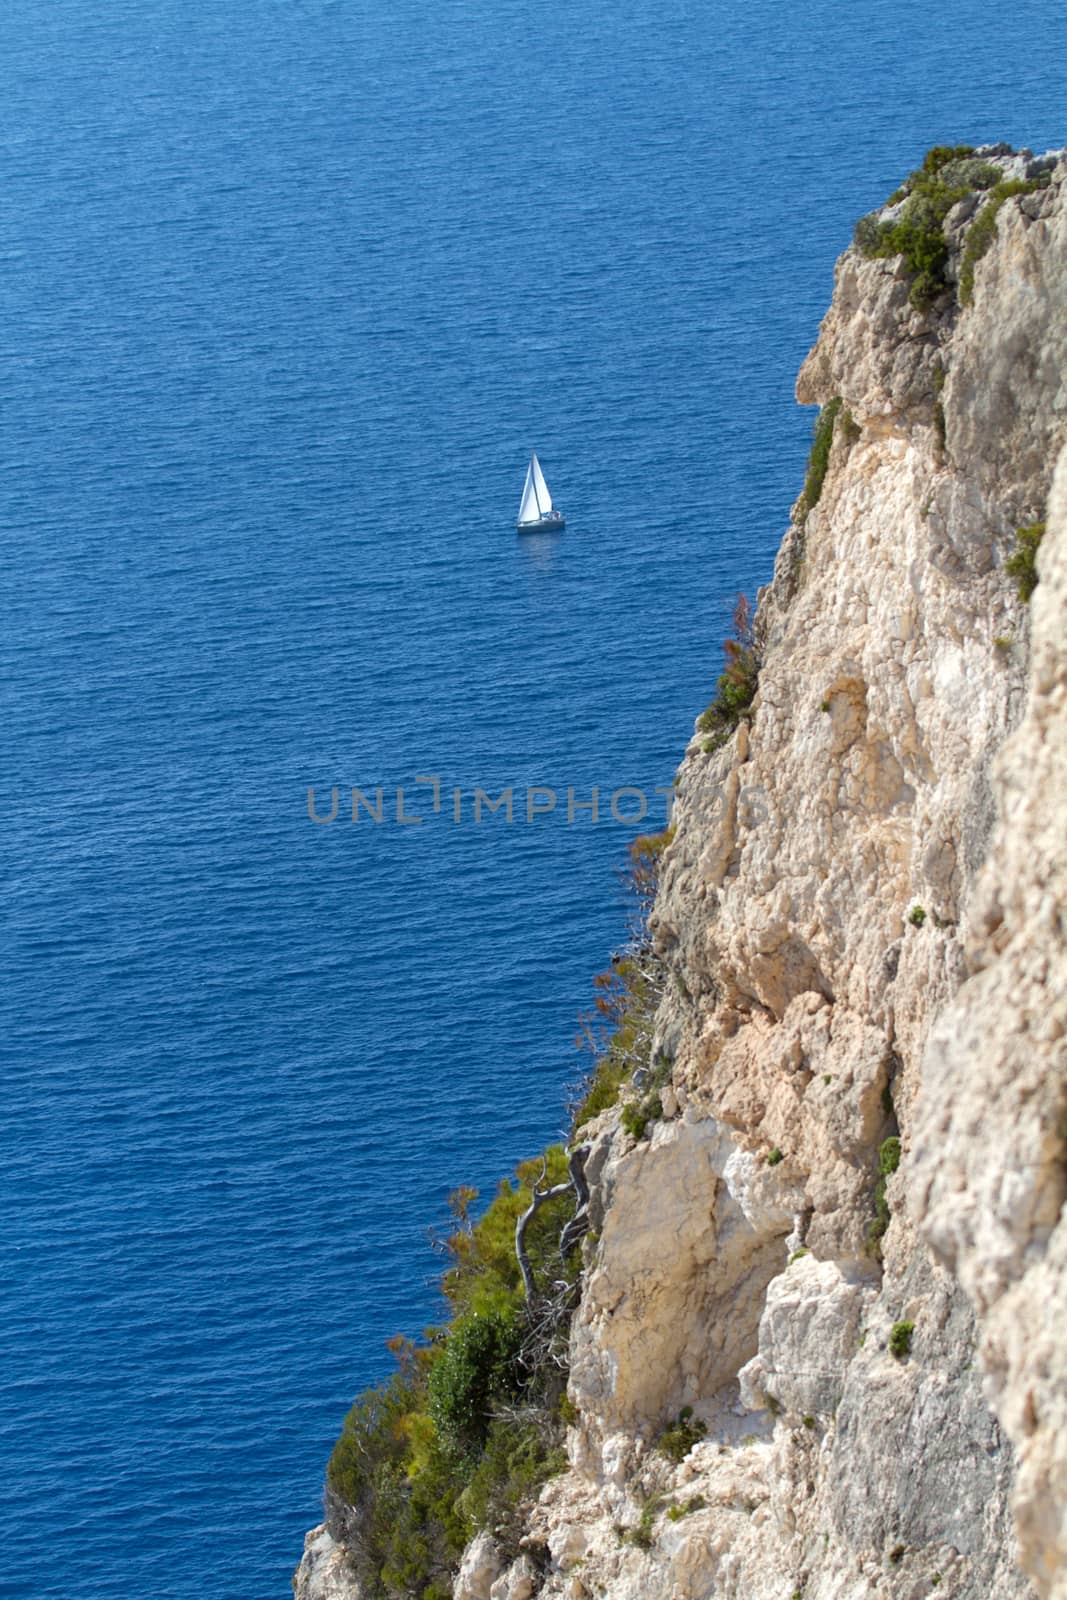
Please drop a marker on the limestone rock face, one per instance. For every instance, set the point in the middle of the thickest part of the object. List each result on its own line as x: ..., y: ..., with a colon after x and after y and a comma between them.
x: 323, y: 1574
x: 867, y: 1349
x: 991, y: 1138
x: 479, y: 1570
x: 672, y: 1304
x: 842, y: 1246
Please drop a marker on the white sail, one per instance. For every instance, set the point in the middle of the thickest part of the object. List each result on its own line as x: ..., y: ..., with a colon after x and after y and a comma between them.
x: 528, y: 507
x: 544, y: 499
x: 536, y: 501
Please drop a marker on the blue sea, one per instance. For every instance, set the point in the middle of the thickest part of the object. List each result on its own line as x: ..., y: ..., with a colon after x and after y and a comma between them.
x: 290, y: 289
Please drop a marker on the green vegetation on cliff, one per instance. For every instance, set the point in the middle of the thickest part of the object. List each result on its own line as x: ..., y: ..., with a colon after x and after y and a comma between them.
x: 736, y: 686
x: 949, y: 174
x: 471, y: 1424
x: 983, y: 230
x: 1022, y: 564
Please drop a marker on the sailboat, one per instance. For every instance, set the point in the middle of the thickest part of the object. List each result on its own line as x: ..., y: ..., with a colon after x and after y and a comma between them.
x: 535, y: 508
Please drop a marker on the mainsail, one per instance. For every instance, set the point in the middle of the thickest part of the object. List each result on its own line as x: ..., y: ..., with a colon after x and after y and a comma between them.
x: 536, y: 500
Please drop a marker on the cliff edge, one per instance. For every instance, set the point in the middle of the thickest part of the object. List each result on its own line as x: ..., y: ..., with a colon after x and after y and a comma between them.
x: 820, y: 1344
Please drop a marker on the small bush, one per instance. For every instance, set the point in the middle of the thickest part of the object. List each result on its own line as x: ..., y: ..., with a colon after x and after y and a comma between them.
x: 618, y: 1031
x: 824, y: 705
x: 947, y: 175
x: 678, y: 1439
x: 1022, y: 566
x: 888, y: 1162
x: 636, y: 1115
x: 483, y: 1273
x: 1003, y: 642
x: 568, y: 1412
x: 850, y: 428
x: 516, y: 1460
x: 774, y: 1156
x: 916, y: 916
x: 633, y: 1120
x: 819, y: 457
x: 889, y: 1156
x: 736, y: 687
x: 642, y: 1536
x: 797, y: 1254
x: 808, y: 1421
x: 475, y: 1369
x: 917, y: 235
x: 677, y: 1512
x: 467, y: 1430
x: 896, y: 1555
x: 983, y: 230
x: 900, y: 1339
x: 940, y: 156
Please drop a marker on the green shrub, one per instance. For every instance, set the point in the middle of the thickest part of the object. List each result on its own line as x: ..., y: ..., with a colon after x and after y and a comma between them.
x: 819, y: 457
x: 388, y: 1465
x: 939, y: 157
x: 916, y: 916
x: 618, y: 1031
x: 888, y: 1161
x: 476, y: 1368
x: 374, y: 1436
x: 467, y: 1430
x: 983, y: 230
x: 642, y: 1536
x: 947, y: 175
x: 774, y: 1156
x: 917, y: 235
x: 736, y: 687
x: 483, y: 1273
x: 677, y: 1512
x: 808, y: 1421
x: 680, y: 1436
x: 900, y: 1339
x: 850, y: 428
x: 636, y: 1115
x: 517, y: 1459
x: 889, y: 1156
x: 1022, y: 566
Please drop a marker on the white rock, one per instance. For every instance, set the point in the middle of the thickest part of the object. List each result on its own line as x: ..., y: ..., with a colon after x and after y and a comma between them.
x: 478, y: 1570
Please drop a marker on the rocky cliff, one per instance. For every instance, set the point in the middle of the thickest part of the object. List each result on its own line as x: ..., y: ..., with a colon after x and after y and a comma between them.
x: 833, y: 1256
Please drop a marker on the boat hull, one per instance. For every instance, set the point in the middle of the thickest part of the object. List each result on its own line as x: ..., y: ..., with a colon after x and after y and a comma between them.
x: 551, y: 522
